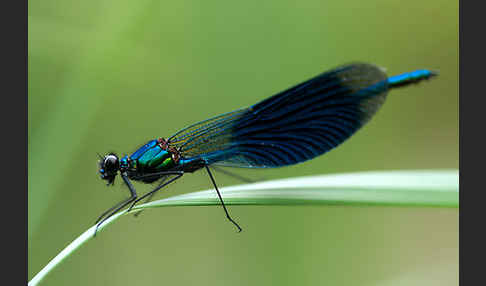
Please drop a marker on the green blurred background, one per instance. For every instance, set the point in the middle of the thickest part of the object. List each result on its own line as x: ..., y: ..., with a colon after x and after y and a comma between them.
x: 109, y: 75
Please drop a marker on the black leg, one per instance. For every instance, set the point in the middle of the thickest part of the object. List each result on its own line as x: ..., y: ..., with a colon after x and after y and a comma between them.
x: 149, y: 198
x: 109, y: 210
x: 132, y: 191
x: 119, y: 206
x: 221, y: 199
x: 156, y: 189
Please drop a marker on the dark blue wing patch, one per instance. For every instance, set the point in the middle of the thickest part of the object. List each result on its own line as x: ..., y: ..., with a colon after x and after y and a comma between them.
x: 293, y: 126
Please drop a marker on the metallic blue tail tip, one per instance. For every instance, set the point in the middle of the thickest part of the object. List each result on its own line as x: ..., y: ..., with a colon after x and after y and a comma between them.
x: 410, y: 77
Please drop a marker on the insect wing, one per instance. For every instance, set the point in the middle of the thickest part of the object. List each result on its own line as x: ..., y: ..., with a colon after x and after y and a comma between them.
x: 292, y: 126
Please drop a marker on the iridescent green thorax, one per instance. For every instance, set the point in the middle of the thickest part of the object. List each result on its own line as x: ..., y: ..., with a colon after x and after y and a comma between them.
x: 155, y: 156
x: 156, y: 159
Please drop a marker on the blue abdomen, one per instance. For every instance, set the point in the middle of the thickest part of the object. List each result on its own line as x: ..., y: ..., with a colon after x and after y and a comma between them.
x: 410, y: 77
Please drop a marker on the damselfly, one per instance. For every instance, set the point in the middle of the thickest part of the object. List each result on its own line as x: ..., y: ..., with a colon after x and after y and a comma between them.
x: 293, y: 126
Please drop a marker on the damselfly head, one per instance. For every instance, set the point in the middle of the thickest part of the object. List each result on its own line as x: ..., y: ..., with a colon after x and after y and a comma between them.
x: 109, y: 166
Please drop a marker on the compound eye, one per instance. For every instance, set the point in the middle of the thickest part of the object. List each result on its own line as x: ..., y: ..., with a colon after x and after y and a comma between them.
x: 110, y: 162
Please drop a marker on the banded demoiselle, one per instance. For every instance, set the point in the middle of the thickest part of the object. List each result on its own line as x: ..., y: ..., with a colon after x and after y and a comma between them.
x: 293, y: 126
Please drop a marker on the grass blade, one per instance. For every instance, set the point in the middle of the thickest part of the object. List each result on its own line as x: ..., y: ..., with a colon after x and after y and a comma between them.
x: 419, y: 188
x: 392, y: 188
